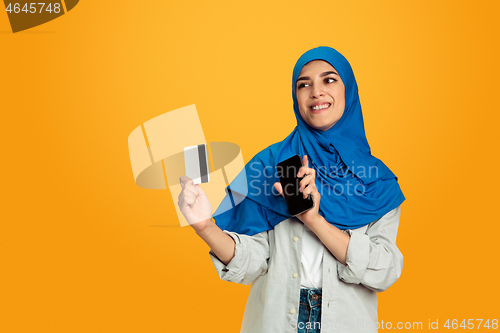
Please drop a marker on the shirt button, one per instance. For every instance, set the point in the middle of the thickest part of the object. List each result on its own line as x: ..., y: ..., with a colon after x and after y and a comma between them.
x: 292, y: 311
x: 295, y: 239
x: 295, y: 275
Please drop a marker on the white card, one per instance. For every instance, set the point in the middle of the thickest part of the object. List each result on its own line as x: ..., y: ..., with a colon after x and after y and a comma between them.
x: 196, y: 163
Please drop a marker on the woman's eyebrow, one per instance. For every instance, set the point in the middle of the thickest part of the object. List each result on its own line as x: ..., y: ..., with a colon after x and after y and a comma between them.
x: 328, y: 73
x: 302, y: 78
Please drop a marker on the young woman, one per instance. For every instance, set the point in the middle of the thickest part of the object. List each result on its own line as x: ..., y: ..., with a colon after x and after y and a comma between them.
x: 321, y: 269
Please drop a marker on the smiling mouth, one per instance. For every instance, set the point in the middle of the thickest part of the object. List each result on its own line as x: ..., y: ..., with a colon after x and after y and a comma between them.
x: 319, y: 108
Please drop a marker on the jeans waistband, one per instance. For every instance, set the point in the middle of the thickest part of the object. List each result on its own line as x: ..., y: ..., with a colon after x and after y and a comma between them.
x: 311, y: 296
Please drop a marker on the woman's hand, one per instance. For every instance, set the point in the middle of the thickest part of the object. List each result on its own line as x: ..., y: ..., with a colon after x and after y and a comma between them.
x: 194, y: 204
x: 307, y: 186
x: 197, y: 210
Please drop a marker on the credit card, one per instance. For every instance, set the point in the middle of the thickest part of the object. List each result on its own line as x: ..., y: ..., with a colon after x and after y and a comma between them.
x: 196, y: 163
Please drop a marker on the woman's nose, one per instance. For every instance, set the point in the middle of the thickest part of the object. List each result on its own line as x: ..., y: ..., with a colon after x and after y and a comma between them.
x: 317, y: 91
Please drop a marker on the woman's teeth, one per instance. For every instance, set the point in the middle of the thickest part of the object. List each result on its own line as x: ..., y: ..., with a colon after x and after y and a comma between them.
x: 319, y: 107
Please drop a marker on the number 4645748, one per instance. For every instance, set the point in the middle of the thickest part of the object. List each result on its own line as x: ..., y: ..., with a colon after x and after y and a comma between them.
x: 34, y: 8
x: 471, y: 324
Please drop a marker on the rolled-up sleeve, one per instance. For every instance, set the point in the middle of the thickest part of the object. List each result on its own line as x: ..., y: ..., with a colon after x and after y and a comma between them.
x: 251, y: 256
x: 373, y: 258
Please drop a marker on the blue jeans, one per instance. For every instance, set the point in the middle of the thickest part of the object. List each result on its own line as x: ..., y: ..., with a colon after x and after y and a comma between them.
x: 309, y: 311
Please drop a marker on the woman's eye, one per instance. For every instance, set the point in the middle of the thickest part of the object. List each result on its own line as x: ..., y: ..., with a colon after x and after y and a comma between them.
x: 330, y: 80
x: 303, y: 85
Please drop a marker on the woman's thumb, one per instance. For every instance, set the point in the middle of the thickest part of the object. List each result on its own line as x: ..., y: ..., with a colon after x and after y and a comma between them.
x: 185, y: 180
x: 278, y: 187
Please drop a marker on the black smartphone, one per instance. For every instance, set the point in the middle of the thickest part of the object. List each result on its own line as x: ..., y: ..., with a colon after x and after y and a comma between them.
x: 287, y: 173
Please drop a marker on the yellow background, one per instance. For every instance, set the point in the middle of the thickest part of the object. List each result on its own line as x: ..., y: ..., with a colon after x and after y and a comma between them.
x: 83, y: 249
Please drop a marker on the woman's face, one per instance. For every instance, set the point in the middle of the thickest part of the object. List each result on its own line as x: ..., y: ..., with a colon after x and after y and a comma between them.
x: 320, y: 95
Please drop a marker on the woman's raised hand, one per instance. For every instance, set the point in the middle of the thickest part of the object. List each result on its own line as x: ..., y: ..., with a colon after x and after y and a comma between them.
x: 194, y: 204
x: 307, y: 186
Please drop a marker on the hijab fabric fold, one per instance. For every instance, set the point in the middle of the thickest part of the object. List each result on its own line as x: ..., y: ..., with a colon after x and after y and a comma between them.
x: 356, y: 188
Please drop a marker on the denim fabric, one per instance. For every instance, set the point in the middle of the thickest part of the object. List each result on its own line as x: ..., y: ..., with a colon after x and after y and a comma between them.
x: 309, y: 311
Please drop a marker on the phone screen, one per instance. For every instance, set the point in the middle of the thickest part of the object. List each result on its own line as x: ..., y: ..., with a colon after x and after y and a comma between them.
x: 287, y: 173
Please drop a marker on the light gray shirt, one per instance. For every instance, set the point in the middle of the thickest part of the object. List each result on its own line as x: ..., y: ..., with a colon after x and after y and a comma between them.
x: 270, y: 262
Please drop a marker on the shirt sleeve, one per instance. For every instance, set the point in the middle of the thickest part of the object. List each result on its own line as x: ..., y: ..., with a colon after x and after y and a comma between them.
x: 373, y: 259
x: 251, y: 256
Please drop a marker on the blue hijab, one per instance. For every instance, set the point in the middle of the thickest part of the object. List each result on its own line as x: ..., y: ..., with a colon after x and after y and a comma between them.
x: 356, y: 188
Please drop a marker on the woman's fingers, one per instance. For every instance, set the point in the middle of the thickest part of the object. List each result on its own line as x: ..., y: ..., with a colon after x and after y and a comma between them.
x: 311, y: 189
x: 199, y: 190
x: 305, y: 161
x: 279, y: 188
x: 306, y: 181
x: 185, y: 180
x: 304, y: 168
x: 187, y: 198
x: 308, y: 171
x: 189, y: 192
x: 194, y: 203
x: 309, y: 177
x: 307, y: 185
x: 189, y: 188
